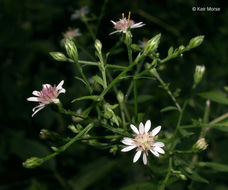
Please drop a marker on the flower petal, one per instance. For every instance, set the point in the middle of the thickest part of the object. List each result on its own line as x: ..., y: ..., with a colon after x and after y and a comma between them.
x: 55, y: 100
x: 137, y: 156
x: 117, y: 31
x: 154, y: 153
x: 127, y: 141
x: 37, y: 108
x: 46, y: 85
x: 113, y: 22
x: 147, y: 126
x: 144, y: 158
x: 156, y: 130
x: 128, y: 148
x: 61, y: 91
x: 158, y: 149
x: 59, y: 87
x: 36, y: 93
x: 134, y: 129
x: 159, y: 144
x: 33, y: 99
x: 141, y: 128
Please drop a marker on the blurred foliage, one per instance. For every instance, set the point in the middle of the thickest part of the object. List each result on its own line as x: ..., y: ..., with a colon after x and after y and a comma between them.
x: 32, y: 29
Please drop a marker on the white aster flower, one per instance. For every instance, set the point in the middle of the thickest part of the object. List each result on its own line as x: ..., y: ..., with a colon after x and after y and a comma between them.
x: 124, y: 24
x: 144, y: 142
x: 46, y: 96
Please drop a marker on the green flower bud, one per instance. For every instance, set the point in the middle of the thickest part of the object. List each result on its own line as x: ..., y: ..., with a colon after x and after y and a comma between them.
x: 71, y: 50
x: 200, y: 145
x: 198, y: 75
x: 73, y: 128
x: 152, y: 44
x: 154, y: 72
x: 58, y: 56
x: 98, y: 46
x: 33, y: 162
x: 195, y: 42
x: 120, y: 96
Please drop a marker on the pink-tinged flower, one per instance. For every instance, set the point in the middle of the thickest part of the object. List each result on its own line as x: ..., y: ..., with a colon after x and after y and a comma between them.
x: 46, y: 96
x: 144, y: 142
x: 125, y: 23
x: 71, y: 33
x: 79, y: 12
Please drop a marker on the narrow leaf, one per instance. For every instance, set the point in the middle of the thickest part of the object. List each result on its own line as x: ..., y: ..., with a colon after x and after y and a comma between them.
x: 168, y: 108
x: 214, y: 166
x: 215, y: 96
x: 96, y: 98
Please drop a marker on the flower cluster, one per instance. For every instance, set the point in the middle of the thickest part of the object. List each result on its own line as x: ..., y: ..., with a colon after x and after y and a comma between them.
x: 144, y: 141
x: 124, y: 24
x: 46, y: 96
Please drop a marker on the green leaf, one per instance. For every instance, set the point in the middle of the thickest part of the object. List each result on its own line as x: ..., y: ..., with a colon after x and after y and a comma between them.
x: 139, y: 186
x: 78, y: 78
x: 196, y: 177
x: 170, y: 51
x: 168, y: 108
x: 98, y: 79
x: 95, y: 98
x: 185, y: 133
x: 214, y: 166
x: 215, y: 96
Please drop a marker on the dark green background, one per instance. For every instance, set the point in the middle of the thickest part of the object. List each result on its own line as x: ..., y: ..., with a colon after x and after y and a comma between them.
x: 31, y: 29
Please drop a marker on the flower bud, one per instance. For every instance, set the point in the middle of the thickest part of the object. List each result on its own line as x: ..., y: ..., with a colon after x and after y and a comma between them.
x: 200, y: 145
x: 58, y: 56
x: 195, y: 42
x: 71, y: 50
x: 152, y: 44
x: 98, y: 46
x: 198, y: 75
x: 120, y: 96
x: 73, y: 128
x: 154, y: 72
x: 32, y: 162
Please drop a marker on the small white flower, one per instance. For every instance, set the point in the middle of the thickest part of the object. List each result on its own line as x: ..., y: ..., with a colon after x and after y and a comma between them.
x: 79, y: 12
x: 46, y: 96
x: 125, y: 23
x: 144, y: 142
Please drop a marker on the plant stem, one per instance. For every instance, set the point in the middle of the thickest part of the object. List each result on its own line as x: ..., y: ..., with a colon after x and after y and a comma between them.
x: 83, y: 76
x: 139, y: 66
x: 167, y: 176
x: 135, y: 99
x: 84, y: 19
x: 104, y: 92
x: 220, y: 118
x: 164, y: 85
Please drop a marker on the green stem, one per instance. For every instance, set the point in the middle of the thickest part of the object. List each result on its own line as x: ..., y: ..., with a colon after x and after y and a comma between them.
x: 83, y: 76
x: 135, y: 99
x: 220, y: 118
x: 164, y: 85
x: 104, y: 92
x: 139, y: 67
x: 167, y: 176
x: 84, y: 19
x: 180, y: 118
